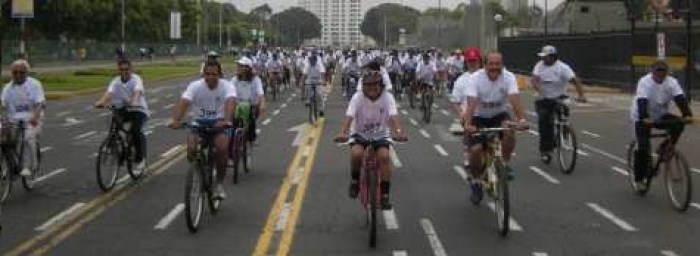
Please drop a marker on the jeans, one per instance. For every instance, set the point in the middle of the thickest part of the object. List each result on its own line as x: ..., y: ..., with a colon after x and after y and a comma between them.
x: 673, y: 124
x: 546, y: 110
x: 137, y: 119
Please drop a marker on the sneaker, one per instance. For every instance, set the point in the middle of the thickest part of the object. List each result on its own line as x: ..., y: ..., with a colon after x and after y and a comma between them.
x: 140, y: 166
x: 385, y: 202
x: 546, y: 157
x: 26, y: 172
x: 466, y: 164
x: 354, y: 189
x: 510, y: 173
x: 219, y: 192
x: 640, y: 185
x: 477, y: 193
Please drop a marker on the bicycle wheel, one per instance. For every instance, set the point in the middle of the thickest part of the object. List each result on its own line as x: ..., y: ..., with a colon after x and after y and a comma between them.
x: 411, y: 96
x: 108, y: 164
x: 5, y: 179
x: 567, y: 149
x: 501, y: 199
x: 134, y: 172
x: 631, y: 151
x: 236, y: 155
x: 30, y: 181
x: 677, y: 181
x: 194, y: 197
x: 248, y: 155
x: 428, y: 108
x: 373, y: 194
x: 274, y: 91
x: 210, y: 178
x: 312, y: 107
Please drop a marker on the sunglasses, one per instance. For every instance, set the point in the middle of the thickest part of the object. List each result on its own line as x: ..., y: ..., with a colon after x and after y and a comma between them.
x: 660, y: 70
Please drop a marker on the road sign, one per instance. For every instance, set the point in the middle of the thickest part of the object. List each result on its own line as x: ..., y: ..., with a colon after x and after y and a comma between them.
x: 661, y: 46
x: 175, y: 25
x: 22, y: 9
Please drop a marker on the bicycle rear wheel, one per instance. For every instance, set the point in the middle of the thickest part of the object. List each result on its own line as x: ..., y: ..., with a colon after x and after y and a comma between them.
x: 5, y: 179
x: 236, y: 155
x: 631, y: 151
x: 428, y: 106
x: 411, y: 96
x: 501, y: 199
x: 313, y: 114
x: 677, y: 181
x: 30, y: 181
x: 567, y: 149
x: 373, y: 194
x: 108, y: 164
x: 194, y: 197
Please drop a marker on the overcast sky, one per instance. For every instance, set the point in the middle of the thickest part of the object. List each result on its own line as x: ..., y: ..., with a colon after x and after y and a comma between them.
x: 279, y: 5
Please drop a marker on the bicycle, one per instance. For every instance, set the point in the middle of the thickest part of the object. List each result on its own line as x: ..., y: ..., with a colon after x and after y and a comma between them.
x: 117, y: 150
x: 240, y: 149
x: 314, y: 103
x: 370, y: 179
x: 495, y: 180
x: 676, y: 173
x: 201, y: 175
x: 427, y: 100
x: 274, y: 80
x: 564, y: 137
x: 12, y: 158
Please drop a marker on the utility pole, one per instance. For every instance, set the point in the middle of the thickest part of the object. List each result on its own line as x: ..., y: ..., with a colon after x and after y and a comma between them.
x: 384, y: 29
x: 221, y: 7
x: 546, y: 21
x: 439, y: 21
x: 689, y: 60
x: 123, y: 37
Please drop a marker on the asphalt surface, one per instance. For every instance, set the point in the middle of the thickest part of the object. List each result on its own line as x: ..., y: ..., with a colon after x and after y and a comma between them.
x: 295, y: 199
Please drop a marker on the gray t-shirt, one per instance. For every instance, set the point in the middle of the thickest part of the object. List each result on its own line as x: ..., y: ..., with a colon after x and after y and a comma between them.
x: 554, y: 78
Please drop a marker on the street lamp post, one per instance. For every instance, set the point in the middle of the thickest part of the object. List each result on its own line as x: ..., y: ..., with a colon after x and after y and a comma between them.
x: 498, y: 18
x: 123, y: 37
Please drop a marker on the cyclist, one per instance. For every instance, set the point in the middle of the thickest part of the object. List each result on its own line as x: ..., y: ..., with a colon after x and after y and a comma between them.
x: 127, y: 91
x: 377, y: 65
x: 373, y: 115
x: 425, y: 73
x: 23, y: 100
x: 351, y: 69
x: 489, y: 92
x: 274, y: 68
x: 550, y: 78
x: 213, y: 101
x: 314, y: 74
x: 249, y: 90
x: 654, y: 93
x: 211, y: 55
x: 472, y: 55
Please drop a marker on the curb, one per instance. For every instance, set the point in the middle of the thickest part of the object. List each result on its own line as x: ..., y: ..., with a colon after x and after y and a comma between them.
x: 61, y: 95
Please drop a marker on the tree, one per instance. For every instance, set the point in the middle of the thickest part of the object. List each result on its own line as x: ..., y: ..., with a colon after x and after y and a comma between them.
x: 295, y: 25
x: 395, y: 16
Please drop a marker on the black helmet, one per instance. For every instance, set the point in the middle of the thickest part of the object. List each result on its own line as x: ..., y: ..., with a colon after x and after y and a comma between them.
x: 371, y: 77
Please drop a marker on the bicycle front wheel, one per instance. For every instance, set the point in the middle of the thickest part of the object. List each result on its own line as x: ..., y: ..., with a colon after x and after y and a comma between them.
x: 236, y: 154
x: 5, y: 179
x: 194, y: 198
x: 313, y: 108
x: 108, y: 164
x: 677, y: 181
x: 501, y: 199
x: 567, y: 149
x: 373, y: 193
x: 631, y: 155
x: 428, y: 106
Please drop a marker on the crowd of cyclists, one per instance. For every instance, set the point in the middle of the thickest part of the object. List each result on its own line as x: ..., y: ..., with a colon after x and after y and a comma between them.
x: 480, y: 90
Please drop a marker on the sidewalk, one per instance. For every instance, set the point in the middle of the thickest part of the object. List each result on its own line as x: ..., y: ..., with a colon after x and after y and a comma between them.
x: 75, y: 65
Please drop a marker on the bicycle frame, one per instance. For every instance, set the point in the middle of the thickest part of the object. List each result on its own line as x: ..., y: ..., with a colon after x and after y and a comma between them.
x: 369, y: 169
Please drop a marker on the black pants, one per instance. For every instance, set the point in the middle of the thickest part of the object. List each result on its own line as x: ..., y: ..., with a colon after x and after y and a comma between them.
x: 673, y: 124
x: 546, y: 111
x: 137, y: 119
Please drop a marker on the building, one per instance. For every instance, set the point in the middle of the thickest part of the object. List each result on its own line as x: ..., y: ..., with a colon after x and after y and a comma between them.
x: 340, y: 19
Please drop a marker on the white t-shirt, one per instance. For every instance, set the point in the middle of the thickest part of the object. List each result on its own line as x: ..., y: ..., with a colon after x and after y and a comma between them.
x: 370, y: 119
x: 207, y: 103
x: 659, y: 95
x: 274, y: 65
x: 385, y: 78
x: 426, y: 72
x: 248, y: 90
x: 314, y: 74
x: 20, y: 101
x: 123, y: 93
x: 492, y: 96
x: 554, y: 78
x: 459, y: 91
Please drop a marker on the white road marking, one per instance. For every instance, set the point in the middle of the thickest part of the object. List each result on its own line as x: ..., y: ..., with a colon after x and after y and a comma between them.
x: 297, y: 175
x: 395, y: 158
x: 461, y: 172
x: 611, y: 156
x: 284, y: 105
x: 539, y: 254
x: 169, y: 106
x: 512, y: 223
x: 696, y: 205
x: 404, y: 112
x: 123, y: 179
x: 165, y: 221
x: 413, y: 121
x: 267, y: 121
x: 85, y: 135
x: 424, y: 133
x: 445, y: 112
x: 695, y: 170
x: 277, y: 112
x: 544, y: 175
x: 669, y: 253
x: 170, y: 151
x: 148, y: 132
x: 435, y: 243
x: 590, y: 134
x: 610, y: 216
x: 103, y: 114
x: 93, y: 155
x: 51, y: 174
x: 441, y: 150
x: 531, y: 113
x: 400, y: 253
x: 620, y: 170
x: 390, y: 220
x: 59, y: 217
x: 44, y: 149
x: 533, y: 132
x: 64, y: 113
x: 282, y: 218
x: 580, y: 152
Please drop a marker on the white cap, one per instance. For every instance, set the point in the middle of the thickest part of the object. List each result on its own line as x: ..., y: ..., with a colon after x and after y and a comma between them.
x: 245, y: 61
x: 547, y: 50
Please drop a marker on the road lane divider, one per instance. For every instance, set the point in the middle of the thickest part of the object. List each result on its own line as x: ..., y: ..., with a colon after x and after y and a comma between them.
x: 540, y: 254
x: 611, y: 156
x: 395, y: 157
x: 695, y: 170
x: 695, y: 205
x: 513, y: 224
x: 172, y: 215
x: 619, y: 170
x: 57, y: 233
x: 590, y: 134
x: 267, y: 121
x: 424, y: 133
x: 85, y: 135
x: 171, y: 151
x: 441, y: 150
x: 51, y: 174
x: 445, y: 112
x: 399, y: 253
x: 624, y: 225
x: 390, y: 220
x: 438, y: 249
x: 59, y: 217
x: 44, y: 149
x: 413, y: 121
x: 283, y: 217
x: 669, y: 253
x: 544, y: 175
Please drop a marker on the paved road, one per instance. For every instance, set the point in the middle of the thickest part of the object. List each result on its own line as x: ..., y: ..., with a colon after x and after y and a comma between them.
x: 295, y: 200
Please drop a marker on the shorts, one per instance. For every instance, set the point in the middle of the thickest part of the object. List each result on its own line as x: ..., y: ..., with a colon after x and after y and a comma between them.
x: 485, y: 122
x: 381, y: 143
x: 205, y: 122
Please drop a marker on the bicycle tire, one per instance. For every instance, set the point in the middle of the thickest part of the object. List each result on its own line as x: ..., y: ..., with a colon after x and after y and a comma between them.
x: 131, y: 168
x: 236, y: 155
x: 194, y: 197
x: 630, y: 171
x: 247, y: 155
x: 109, y: 151
x: 372, y: 193
x: 681, y: 201
x: 312, y: 107
x: 501, y: 199
x: 563, y: 149
x: 5, y: 179
x: 30, y: 182
x: 427, y: 111
x: 274, y: 91
x: 210, y: 176
x: 411, y: 97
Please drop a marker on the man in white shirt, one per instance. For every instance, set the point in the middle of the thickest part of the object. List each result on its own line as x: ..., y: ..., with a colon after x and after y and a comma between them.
x: 489, y: 93
x: 472, y: 55
x: 550, y: 78
x: 372, y: 116
x: 654, y: 93
x: 127, y: 91
x: 212, y: 101
x: 314, y: 78
x: 23, y: 100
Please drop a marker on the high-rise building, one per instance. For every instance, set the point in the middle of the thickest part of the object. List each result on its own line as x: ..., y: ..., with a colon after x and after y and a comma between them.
x: 340, y: 19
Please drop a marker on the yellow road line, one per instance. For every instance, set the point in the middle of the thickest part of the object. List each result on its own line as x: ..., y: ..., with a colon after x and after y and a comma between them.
x: 265, y: 238
x: 99, y: 204
x: 288, y: 234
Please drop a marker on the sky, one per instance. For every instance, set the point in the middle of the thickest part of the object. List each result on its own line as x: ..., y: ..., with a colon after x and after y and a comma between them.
x: 279, y: 5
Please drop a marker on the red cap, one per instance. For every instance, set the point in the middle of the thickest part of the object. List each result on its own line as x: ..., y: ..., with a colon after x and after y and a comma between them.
x: 472, y: 53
